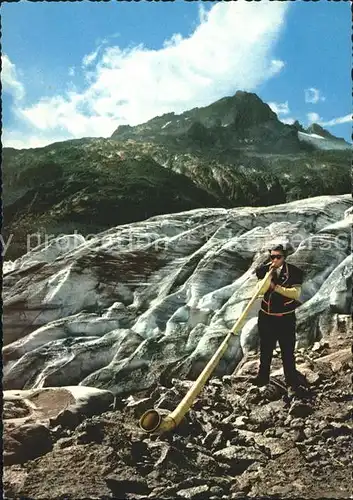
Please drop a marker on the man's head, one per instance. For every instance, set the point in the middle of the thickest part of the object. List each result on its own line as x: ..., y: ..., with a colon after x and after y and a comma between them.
x: 277, y: 255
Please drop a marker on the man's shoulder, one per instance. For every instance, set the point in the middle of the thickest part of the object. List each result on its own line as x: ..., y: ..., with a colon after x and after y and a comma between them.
x: 295, y: 271
x: 292, y: 267
x: 261, y: 270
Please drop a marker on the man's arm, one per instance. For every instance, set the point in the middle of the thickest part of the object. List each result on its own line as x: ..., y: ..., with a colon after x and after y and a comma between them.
x: 261, y: 271
x: 292, y: 292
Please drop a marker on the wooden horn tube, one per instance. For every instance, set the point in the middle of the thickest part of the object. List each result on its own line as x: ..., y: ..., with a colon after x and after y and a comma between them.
x: 153, y: 421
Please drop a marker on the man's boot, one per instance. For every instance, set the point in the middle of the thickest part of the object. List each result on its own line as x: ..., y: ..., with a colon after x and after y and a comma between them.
x: 259, y: 380
x: 298, y: 391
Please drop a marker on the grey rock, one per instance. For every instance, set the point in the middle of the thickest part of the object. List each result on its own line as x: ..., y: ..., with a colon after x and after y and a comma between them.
x: 205, y: 462
x: 241, y: 422
x: 65, y: 442
x: 262, y: 417
x: 190, y: 482
x: 297, y: 435
x: 216, y: 490
x: 196, y: 492
x: 279, y: 432
x: 140, y: 406
x: 214, y: 439
x: 337, y: 429
x: 121, y: 486
x: 299, y: 409
x: 274, y: 447
x: 297, y: 423
x: 270, y: 433
x: 90, y: 432
x: 25, y: 442
x: 239, y: 458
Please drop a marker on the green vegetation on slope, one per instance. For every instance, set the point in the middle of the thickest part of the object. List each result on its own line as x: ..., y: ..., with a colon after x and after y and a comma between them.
x: 61, y: 189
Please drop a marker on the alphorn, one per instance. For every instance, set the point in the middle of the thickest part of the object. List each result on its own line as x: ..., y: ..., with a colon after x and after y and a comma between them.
x: 154, y: 422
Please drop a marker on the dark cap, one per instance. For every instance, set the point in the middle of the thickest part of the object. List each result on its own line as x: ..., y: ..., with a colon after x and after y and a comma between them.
x: 278, y: 248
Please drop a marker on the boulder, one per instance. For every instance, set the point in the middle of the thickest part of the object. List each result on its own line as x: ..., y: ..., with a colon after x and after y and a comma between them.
x: 239, y: 458
x: 25, y: 442
x: 55, y: 405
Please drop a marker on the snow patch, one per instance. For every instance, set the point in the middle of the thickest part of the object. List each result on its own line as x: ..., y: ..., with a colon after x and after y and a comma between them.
x: 311, y: 135
x: 323, y: 143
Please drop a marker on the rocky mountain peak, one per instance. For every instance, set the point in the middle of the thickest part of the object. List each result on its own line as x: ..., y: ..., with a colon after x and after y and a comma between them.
x: 238, y: 122
x: 254, y: 105
x: 315, y: 128
x: 250, y: 110
x: 298, y: 126
x: 241, y: 111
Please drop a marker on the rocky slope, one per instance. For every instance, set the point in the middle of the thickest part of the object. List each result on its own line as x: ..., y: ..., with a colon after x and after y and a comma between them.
x: 97, y: 331
x: 86, y: 186
x: 234, y: 152
x: 236, y: 442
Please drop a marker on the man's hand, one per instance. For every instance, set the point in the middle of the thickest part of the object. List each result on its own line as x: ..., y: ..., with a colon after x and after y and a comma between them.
x: 273, y: 270
x: 272, y: 286
x: 274, y: 277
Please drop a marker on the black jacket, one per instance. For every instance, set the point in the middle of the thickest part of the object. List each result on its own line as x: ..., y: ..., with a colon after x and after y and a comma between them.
x: 273, y: 302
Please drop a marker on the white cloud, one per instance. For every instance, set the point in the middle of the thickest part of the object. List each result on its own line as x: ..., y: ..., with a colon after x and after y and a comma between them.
x: 89, y: 59
x: 277, y: 65
x: 288, y: 120
x: 19, y: 140
x: 337, y: 121
x: 9, y: 79
x: 280, y: 108
x: 313, y: 95
x: 202, y: 13
x: 230, y: 49
x: 71, y: 71
x: 313, y: 118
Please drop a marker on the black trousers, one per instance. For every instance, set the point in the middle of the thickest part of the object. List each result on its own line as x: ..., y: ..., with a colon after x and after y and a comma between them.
x: 281, y: 329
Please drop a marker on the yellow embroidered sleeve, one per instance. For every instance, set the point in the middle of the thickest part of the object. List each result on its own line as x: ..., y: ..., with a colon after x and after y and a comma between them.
x: 292, y: 292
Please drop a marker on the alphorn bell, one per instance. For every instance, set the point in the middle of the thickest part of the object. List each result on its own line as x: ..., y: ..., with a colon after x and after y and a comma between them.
x: 153, y: 422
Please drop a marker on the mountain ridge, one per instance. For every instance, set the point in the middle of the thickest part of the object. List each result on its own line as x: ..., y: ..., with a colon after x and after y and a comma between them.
x: 235, y: 153
x: 243, y: 113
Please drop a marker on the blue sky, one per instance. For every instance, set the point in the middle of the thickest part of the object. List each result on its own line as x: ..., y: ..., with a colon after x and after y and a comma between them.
x: 80, y: 69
